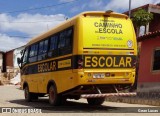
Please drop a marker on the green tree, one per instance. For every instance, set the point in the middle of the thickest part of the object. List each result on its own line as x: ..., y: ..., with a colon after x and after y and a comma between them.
x: 141, y: 18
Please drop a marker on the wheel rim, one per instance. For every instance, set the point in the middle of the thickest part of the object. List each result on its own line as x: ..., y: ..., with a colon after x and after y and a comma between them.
x: 26, y: 92
x: 52, y: 95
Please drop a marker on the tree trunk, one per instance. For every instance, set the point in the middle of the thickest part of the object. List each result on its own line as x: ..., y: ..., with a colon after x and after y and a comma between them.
x: 137, y: 31
x: 145, y: 29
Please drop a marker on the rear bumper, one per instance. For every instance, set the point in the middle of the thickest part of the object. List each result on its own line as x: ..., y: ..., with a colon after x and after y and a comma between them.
x: 107, y: 95
x: 116, y: 77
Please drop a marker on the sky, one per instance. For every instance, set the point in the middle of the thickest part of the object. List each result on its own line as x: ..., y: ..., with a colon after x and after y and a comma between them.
x: 21, y: 20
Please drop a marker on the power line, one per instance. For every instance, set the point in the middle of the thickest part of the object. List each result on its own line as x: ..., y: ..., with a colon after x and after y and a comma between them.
x: 37, y: 8
x: 18, y: 36
x: 26, y: 22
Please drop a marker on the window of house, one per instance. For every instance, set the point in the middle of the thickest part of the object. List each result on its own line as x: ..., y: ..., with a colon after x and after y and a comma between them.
x: 156, y: 60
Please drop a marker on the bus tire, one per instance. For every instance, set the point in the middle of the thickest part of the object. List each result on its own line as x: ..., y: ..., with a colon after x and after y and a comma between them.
x: 27, y: 94
x: 54, y: 98
x: 95, y: 101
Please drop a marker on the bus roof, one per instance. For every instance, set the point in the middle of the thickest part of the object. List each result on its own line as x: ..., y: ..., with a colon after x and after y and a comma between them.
x: 56, y: 29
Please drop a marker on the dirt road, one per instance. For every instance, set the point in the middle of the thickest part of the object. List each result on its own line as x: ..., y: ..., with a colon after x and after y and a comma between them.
x: 12, y: 96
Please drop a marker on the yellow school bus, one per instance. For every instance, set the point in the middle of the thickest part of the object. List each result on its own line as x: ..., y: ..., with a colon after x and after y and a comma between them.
x: 91, y: 55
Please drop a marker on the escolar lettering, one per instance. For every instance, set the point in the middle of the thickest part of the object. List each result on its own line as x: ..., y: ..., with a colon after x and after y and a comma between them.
x: 45, y: 67
x: 108, y: 61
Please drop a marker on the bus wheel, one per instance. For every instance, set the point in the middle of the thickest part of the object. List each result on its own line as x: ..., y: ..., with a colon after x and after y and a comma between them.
x: 54, y: 98
x: 95, y: 101
x: 27, y: 94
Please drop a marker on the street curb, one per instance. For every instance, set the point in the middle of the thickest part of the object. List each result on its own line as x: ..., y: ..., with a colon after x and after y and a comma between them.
x: 135, y: 100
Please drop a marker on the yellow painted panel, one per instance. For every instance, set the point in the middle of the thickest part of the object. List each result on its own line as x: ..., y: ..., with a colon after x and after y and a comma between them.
x: 110, y: 32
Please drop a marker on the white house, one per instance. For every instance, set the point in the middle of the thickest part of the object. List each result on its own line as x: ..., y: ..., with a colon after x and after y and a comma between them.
x: 17, y: 54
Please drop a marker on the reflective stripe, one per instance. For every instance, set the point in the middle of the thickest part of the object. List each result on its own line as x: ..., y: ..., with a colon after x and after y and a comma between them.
x: 107, y: 95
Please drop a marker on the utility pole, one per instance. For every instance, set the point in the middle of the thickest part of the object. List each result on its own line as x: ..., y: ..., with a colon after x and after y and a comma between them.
x: 129, y: 8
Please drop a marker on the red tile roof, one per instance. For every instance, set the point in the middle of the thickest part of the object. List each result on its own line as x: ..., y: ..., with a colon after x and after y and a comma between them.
x: 150, y: 35
x: 154, y: 6
x: 144, y: 7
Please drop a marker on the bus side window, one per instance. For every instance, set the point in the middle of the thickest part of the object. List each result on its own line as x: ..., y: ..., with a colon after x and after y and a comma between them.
x: 62, y: 36
x: 69, y: 35
x: 25, y: 57
x: 42, y: 52
x: 65, y: 42
x: 69, y: 40
x: 53, y: 46
x: 45, y: 49
x: 33, y: 53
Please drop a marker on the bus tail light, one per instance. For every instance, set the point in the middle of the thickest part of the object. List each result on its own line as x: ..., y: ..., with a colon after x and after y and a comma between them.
x: 131, y: 53
x: 80, y: 64
x: 134, y: 63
